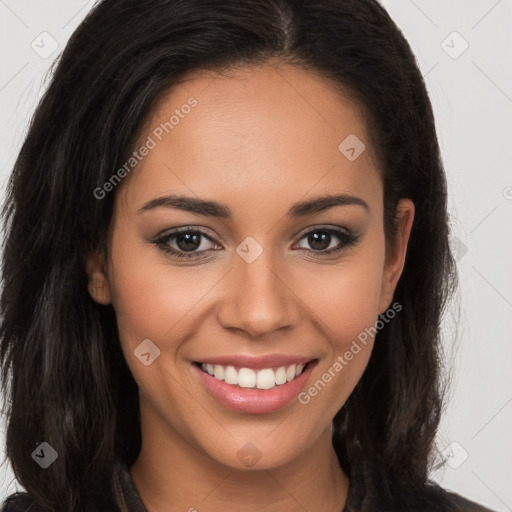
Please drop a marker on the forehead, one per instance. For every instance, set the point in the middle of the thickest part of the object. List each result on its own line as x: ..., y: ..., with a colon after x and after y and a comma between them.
x: 262, y: 129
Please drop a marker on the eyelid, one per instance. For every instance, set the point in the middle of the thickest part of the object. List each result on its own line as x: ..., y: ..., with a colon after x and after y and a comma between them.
x: 319, y: 227
x: 167, y: 233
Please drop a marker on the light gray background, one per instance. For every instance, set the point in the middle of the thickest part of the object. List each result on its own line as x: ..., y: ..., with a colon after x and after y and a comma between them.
x: 472, y: 97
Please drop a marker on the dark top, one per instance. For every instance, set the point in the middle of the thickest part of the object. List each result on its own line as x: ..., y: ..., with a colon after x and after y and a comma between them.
x: 122, y: 496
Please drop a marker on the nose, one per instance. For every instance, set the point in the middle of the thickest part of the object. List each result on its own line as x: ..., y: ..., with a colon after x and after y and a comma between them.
x: 258, y: 298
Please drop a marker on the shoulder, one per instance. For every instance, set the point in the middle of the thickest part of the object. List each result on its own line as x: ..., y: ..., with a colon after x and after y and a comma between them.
x: 368, y: 492
x: 460, y: 503
x: 113, y: 495
x: 20, y: 502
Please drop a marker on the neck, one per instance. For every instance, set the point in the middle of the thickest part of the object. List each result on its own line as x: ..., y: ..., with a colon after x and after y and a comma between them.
x: 171, y: 474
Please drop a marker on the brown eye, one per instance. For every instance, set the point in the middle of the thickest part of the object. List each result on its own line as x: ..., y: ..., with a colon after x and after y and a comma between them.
x: 322, y: 240
x: 185, y: 243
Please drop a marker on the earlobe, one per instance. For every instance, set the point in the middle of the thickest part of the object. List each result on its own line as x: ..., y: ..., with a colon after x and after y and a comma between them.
x: 98, y: 285
x: 395, y: 257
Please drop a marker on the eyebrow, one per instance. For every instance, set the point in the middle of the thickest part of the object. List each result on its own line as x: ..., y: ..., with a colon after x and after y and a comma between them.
x: 214, y: 209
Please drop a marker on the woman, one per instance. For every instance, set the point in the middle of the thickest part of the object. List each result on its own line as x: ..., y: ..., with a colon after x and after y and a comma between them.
x: 226, y: 264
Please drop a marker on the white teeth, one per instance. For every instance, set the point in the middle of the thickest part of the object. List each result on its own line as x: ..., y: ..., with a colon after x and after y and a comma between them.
x: 246, y: 378
x: 281, y: 376
x: 218, y: 372
x: 265, y: 378
x: 231, y: 376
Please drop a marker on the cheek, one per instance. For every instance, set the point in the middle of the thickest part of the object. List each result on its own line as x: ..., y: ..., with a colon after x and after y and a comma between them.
x: 346, y: 297
x: 151, y: 299
x: 346, y: 300
x: 149, y: 304
x: 348, y: 309
x: 153, y: 302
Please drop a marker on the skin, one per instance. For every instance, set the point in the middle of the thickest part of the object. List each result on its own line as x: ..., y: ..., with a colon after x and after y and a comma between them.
x: 258, y: 141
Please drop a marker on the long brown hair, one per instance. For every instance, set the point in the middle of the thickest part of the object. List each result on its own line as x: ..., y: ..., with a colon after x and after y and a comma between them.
x: 64, y: 377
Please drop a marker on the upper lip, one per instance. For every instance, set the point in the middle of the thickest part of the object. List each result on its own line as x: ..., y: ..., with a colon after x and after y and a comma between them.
x: 257, y: 363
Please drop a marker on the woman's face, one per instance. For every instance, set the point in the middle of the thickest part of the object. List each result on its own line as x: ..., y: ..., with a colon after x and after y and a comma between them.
x: 251, y: 153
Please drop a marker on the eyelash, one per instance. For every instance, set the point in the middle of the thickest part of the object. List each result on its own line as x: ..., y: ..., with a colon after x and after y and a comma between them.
x: 348, y: 239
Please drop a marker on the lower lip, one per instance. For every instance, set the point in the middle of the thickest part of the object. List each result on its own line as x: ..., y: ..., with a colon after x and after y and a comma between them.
x: 255, y: 401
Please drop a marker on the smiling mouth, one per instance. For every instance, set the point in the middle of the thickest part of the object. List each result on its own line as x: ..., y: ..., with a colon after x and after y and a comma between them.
x: 264, y: 378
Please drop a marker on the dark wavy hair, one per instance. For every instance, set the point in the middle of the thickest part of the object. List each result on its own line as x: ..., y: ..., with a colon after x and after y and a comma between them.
x: 64, y: 377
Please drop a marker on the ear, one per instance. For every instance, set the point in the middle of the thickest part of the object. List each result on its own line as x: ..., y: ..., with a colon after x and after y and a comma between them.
x: 98, y: 286
x: 395, y: 253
